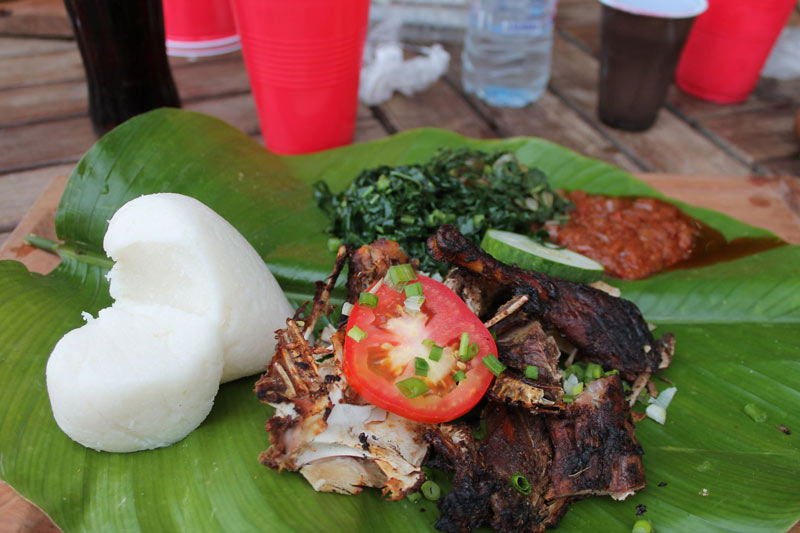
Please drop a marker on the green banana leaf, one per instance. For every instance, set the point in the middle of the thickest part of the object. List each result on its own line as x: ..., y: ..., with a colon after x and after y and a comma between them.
x: 737, y: 326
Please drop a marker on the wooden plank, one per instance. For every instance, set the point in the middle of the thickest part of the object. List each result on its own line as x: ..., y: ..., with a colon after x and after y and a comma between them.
x: 439, y: 106
x: 581, y: 20
x: 549, y: 118
x: 669, y: 146
x: 27, y: 71
x: 760, y: 134
x: 66, y: 99
x: 45, y: 18
x: 40, y: 220
x: 44, y: 144
x: 19, y: 191
x: 21, y: 46
x: 368, y: 128
x: 238, y: 111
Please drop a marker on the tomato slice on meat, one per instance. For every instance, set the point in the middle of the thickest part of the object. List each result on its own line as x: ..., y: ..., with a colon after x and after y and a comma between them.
x: 395, y: 338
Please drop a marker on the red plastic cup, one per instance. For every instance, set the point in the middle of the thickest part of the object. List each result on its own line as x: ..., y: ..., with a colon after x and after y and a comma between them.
x: 303, y: 58
x: 197, y: 28
x: 728, y: 46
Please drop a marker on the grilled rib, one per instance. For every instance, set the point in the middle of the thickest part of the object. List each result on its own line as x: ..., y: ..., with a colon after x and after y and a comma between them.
x: 607, y: 330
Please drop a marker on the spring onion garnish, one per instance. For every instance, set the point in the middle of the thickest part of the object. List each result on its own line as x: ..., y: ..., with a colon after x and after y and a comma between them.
x: 436, y: 353
x: 413, y: 304
x: 642, y: 526
x: 657, y: 407
x: 521, y: 484
x: 612, y: 372
x: 463, y: 347
x: 413, y: 289
x: 408, y: 220
x: 368, y: 300
x: 429, y: 342
x: 531, y: 372
x: 577, y: 389
x: 430, y: 489
x: 398, y: 276
x: 357, y: 334
x: 570, y: 382
x: 414, y: 497
x: 567, y: 398
x: 412, y: 387
x: 479, y: 433
x: 421, y: 366
x: 657, y: 413
x: 472, y: 350
x: 459, y: 376
x: 593, y: 371
x: 301, y: 323
x: 493, y: 364
x: 494, y: 334
x: 575, y: 370
x: 755, y: 412
x: 347, y: 308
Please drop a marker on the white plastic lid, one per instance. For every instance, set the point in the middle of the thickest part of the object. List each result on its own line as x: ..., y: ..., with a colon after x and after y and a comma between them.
x: 675, y: 9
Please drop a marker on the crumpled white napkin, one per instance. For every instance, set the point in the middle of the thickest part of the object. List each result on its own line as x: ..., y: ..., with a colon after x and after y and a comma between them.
x: 388, y: 72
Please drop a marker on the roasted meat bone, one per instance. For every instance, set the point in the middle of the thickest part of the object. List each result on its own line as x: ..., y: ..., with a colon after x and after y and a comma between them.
x: 338, y: 445
x: 607, y: 330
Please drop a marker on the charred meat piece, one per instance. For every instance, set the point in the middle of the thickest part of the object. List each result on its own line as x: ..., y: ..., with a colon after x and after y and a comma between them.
x: 596, y: 451
x: 528, y: 344
x: 482, y: 494
x: 607, y: 330
x: 370, y: 263
x: 336, y: 445
x: 513, y: 389
x: 467, y: 505
x: 481, y: 295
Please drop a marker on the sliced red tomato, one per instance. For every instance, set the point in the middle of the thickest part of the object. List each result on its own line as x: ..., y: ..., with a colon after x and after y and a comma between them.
x: 395, y: 337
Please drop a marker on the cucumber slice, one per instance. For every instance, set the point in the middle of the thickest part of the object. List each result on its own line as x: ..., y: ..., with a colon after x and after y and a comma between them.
x: 513, y: 248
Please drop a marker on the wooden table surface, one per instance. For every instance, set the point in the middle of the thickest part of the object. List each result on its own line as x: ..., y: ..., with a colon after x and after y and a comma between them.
x: 743, y: 159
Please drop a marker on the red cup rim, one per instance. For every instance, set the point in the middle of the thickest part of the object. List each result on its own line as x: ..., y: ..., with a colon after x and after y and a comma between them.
x: 659, y: 8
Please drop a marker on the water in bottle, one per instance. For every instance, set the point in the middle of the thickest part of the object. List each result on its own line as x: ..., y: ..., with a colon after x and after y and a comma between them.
x: 507, y: 50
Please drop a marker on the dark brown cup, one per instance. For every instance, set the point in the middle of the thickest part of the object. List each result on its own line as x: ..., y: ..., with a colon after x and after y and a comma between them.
x: 637, y: 62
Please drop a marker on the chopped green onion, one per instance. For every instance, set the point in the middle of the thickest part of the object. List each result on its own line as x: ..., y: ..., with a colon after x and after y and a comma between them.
x: 399, y: 275
x: 368, y: 299
x: 408, y: 220
x: 494, y: 334
x: 413, y: 289
x: 421, y: 366
x: 626, y: 387
x: 430, y: 489
x: 414, y: 497
x: 347, y: 308
x: 493, y: 364
x: 429, y: 342
x: 755, y: 412
x: 576, y: 369
x: 333, y: 244
x: 577, y: 389
x: 357, y: 334
x: 413, y: 304
x: 412, y: 387
x: 521, y: 484
x: 480, y: 432
x: 436, y: 353
x: 478, y: 219
x: 463, y: 347
x: 301, y: 323
x: 642, y: 526
x: 473, y: 349
x: 593, y: 371
x: 612, y: 372
x: 531, y: 372
x: 567, y: 398
x: 459, y: 376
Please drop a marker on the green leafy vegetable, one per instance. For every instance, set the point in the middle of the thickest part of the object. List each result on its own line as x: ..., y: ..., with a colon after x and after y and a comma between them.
x: 473, y: 190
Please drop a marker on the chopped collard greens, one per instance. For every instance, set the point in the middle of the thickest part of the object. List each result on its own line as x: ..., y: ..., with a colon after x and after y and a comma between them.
x: 473, y: 190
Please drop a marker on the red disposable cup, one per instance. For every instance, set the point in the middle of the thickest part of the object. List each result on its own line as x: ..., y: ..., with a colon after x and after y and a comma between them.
x: 199, y: 27
x: 728, y: 46
x: 303, y: 58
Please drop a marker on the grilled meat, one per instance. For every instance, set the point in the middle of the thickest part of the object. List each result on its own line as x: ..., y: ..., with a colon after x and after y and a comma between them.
x: 607, y: 330
x: 337, y: 445
x: 482, y: 296
x: 516, y: 443
x: 596, y: 451
x: 370, y: 263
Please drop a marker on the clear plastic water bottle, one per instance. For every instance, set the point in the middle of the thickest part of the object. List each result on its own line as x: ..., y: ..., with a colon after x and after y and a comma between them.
x: 507, y: 50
